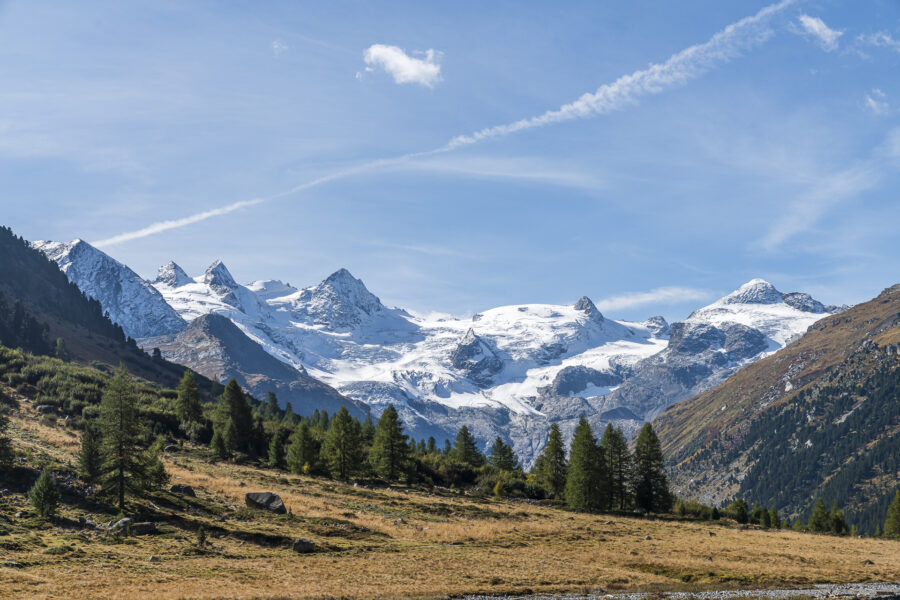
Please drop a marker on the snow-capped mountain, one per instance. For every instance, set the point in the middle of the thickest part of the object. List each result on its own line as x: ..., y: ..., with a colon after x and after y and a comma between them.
x: 130, y: 301
x: 508, y: 371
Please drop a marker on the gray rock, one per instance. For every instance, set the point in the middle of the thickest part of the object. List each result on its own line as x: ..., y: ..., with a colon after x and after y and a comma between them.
x: 45, y: 409
x: 476, y: 359
x: 120, y: 525
x: 265, y: 501
x: 11, y: 564
x: 153, y: 558
x: 302, y: 546
x: 183, y: 489
x: 571, y: 380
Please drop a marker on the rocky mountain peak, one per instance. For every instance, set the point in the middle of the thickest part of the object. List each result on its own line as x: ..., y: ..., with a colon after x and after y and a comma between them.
x: 755, y: 291
x: 803, y: 302
x: 587, y: 306
x: 172, y: 275
x: 658, y: 326
x: 218, y: 277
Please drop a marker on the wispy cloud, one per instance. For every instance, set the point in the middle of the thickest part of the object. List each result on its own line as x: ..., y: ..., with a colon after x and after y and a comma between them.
x: 881, y: 39
x: 876, y: 102
x: 279, y: 48
x: 663, y: 295
x: 403, y: 67
x: 688, y: 64
x: 815, y: 28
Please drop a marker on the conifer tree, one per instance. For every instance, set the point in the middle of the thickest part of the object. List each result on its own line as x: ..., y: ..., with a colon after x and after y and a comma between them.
x: 273, y: 411
x: 420, y: 447
x: 738, y: 511
x: 447, y: 448
x: 6, y: 451
x: 235, y: 413
x: 341, y: 449
x: 618, y: 462
x: 503, y: 457
x: 187, y: 403
x: 465, y: 449
x: 819, y: 520
x: 124, y: 465
x: 290, y: 417
x: 90, y: 459
x: 774, y: 519
x: 431, y: 447
x: 367, y: 431
x: 585, y: 485
x: 764, y: 520
x: 836, y: 520
x: 649, y: 482
x: 390, y: 453
x: 217, y: 445
x: 302, y: 453
x: 551, y: 465
x: 892, y: 521
x: 756, y: 513
x: 276, y: 451
x: 44, y: 495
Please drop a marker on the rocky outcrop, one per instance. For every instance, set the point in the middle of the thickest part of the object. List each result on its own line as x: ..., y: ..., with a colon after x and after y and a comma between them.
x: 476, y: 359
x: 265, y: 501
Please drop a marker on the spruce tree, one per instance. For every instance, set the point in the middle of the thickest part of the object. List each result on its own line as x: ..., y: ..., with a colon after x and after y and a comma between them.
x: 503, y: 457
x: 341, y: 449
x: 390, y: 453
x: 302, y: 453
x: 90, y: 459
x: 6, y: 451
x: 273, y: 411
x: 44, y: 495
x: 235, y: 412
x: 465, y: 449
x: 276, y: 451
x: 551, y: 465
x: 367, y: 432
x: 649, y: 482
x: 892, y: 521
x: 819, y: 520
x: 618, y: 462
x: 124, y: 464
x: 585, y: 488
x: 187, y: 403
x: 217, y: 445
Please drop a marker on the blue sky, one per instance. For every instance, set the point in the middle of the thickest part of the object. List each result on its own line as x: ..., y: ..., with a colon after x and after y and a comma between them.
x: 771, y: 149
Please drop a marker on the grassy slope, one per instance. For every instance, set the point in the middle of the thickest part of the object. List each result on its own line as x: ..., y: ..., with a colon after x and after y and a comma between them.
x: 698, y: 432
x: 389, y: 543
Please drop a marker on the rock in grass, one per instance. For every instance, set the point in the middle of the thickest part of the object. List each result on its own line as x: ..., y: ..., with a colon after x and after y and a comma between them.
x: 183, y: 489
x: 153, y: 558
x: 145, y: 528
x: 120, y: 525
x: 265, y: 501
x: 302, y: 546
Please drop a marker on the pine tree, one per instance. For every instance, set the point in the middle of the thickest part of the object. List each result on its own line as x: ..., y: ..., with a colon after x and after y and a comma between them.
x: 273, y: 411
x: 819, y: 519
x: 44, y: 495
x: 235, y: 412
x: 431, y: 447
x: 367, y: 432
x: 618, y: 461
x: 649, y: 482
x: 551, y: 465
x: 276, y: 451
x: 230, y: 437
x: 187, y: 403
x: 302, y: 453
x: 836, y: 520
x: 341, y: 449
x: 217, y: 445
x: 290, y: 417
x: 447, y: 448
x: 465, y: 449
x: 503, y: 457
x: 390, y: 453
x: 124, y: 465
x: 6, y: 451
x: 764, y: 519
x: 90, y: 459
x: 774, y: 519
x: 892, y: 521
x: 585, y: 489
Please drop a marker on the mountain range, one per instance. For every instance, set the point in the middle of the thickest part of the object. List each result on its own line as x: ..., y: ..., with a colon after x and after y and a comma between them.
x: 508, y: 371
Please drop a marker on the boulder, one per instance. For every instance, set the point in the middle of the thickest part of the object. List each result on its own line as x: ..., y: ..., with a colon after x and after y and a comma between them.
x: 45, y: 408
x: 183, y: 489
x: 302, y: 546
x: 265, y: 501
x: 120, y: 525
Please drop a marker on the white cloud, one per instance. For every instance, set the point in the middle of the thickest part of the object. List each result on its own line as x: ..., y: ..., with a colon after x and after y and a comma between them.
x: 881, y: 39
x: 403, y: 67
x: 690, y: 63
x: 876, y: 102
x: 279, y: 47
x: 816, y: 28
x: 654, y: 296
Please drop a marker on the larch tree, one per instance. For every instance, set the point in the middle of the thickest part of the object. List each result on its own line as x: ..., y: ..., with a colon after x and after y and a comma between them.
x: 303, y: 452
x: 465, y: 449
x: 650, y: 485
x: 341, y: 450
x: 90, y: 457
x: 618, y: 466
x: 584, y: 483
x: 187, y: 403
x: 390, y: 454
x: 502, y: 456
x: 551, y: 465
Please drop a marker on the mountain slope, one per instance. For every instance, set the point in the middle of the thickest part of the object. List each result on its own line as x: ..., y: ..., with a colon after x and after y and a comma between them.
x: 130, y: 301
x: 213, y: 346
x: 818, y: 417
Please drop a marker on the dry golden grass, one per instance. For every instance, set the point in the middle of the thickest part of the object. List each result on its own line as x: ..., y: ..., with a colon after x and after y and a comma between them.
x: 395, y: 543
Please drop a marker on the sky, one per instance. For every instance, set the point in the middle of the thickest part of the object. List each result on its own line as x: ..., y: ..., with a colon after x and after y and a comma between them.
x: 457, y: 156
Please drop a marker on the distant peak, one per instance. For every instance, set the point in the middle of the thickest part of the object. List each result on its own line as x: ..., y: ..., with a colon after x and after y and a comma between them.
x: 217, y: 275
x: 172, y: 275
x: 342, y: 275
x: 755, y: 291
x: 587, y: 306
x: 658, y: 326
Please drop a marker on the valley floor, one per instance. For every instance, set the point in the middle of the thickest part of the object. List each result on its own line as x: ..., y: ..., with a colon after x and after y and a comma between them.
x: 391, y: 543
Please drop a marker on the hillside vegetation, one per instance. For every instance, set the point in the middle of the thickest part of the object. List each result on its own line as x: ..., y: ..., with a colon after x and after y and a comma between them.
x: 817, y: 419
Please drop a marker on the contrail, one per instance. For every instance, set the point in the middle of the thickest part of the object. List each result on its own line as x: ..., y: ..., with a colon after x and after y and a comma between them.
x: 681, y: 67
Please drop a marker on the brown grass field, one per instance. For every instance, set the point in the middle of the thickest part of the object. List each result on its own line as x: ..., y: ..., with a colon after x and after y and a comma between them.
x: 395, y: 543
